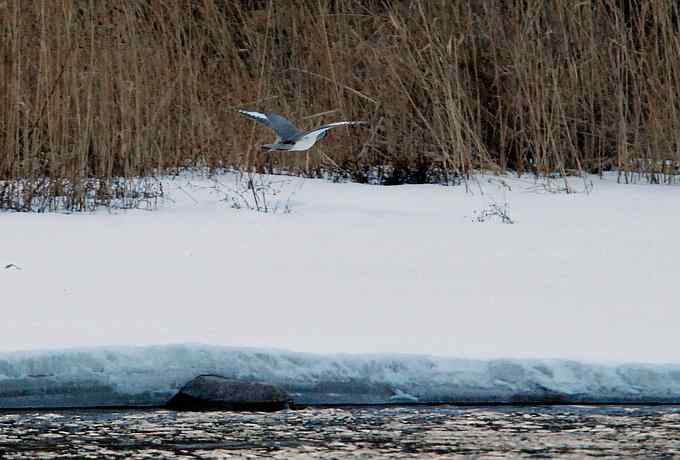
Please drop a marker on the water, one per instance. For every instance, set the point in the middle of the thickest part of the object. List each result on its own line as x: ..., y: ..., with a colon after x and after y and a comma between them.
x: 379, y: 432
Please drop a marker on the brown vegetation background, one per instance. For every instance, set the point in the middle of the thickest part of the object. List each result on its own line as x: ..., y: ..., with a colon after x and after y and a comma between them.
x: 98, y: 89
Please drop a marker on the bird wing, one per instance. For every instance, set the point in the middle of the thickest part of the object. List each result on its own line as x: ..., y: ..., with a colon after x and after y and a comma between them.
x: 322, y: 129
x: 283, y: 128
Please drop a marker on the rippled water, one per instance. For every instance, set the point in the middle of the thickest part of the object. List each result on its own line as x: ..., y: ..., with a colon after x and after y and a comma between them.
x: 385, y: 432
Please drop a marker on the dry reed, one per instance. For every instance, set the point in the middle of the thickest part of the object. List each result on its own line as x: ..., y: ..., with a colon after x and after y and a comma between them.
x: 92, y: 92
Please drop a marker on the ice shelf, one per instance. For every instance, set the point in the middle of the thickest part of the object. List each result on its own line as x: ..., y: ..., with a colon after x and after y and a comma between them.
x: 151, y: 375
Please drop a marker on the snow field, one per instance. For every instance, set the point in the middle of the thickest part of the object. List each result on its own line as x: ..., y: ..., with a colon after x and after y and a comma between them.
x: 357, y: 269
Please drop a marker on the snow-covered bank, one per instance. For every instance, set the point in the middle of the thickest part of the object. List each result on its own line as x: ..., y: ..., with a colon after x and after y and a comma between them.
x: 357, y: 269
x: 152, y: 375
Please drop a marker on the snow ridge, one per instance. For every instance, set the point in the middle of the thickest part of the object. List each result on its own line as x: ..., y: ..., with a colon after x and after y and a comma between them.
x: 150, y: 375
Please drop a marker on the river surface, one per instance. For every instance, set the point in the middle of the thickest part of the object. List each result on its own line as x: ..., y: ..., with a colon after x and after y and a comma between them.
x: 369, y: 432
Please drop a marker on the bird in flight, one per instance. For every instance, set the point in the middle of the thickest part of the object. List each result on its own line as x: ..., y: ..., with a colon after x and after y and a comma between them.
x: 289, y: 138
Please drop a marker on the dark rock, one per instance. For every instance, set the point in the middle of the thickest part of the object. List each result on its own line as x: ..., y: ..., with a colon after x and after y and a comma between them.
x: 216, y: 392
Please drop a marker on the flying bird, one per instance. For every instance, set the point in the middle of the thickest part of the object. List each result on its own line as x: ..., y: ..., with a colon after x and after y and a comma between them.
x: 288, y: 137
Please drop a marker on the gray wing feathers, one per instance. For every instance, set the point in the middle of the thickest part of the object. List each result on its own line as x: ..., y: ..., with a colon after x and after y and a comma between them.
x: 283, y: 128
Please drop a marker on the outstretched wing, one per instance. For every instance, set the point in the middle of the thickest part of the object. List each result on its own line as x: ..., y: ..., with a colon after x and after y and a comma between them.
x: 283, y: 128
x: 322, y: 129
x: 308, y: 139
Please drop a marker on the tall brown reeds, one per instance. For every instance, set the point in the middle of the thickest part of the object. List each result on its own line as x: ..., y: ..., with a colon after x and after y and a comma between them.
x: 94, y: 92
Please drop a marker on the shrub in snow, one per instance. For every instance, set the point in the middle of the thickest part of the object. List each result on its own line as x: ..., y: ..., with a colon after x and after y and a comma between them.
x: 562, y: 184
x: 259, y: 192
x: 494, y: 211
x: 45, y: 194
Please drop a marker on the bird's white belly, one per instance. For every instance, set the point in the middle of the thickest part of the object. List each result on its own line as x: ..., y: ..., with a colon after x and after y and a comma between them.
x: 305, y: 143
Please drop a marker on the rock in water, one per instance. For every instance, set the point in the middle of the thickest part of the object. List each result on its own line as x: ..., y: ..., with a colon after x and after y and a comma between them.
x: 216, y: 392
